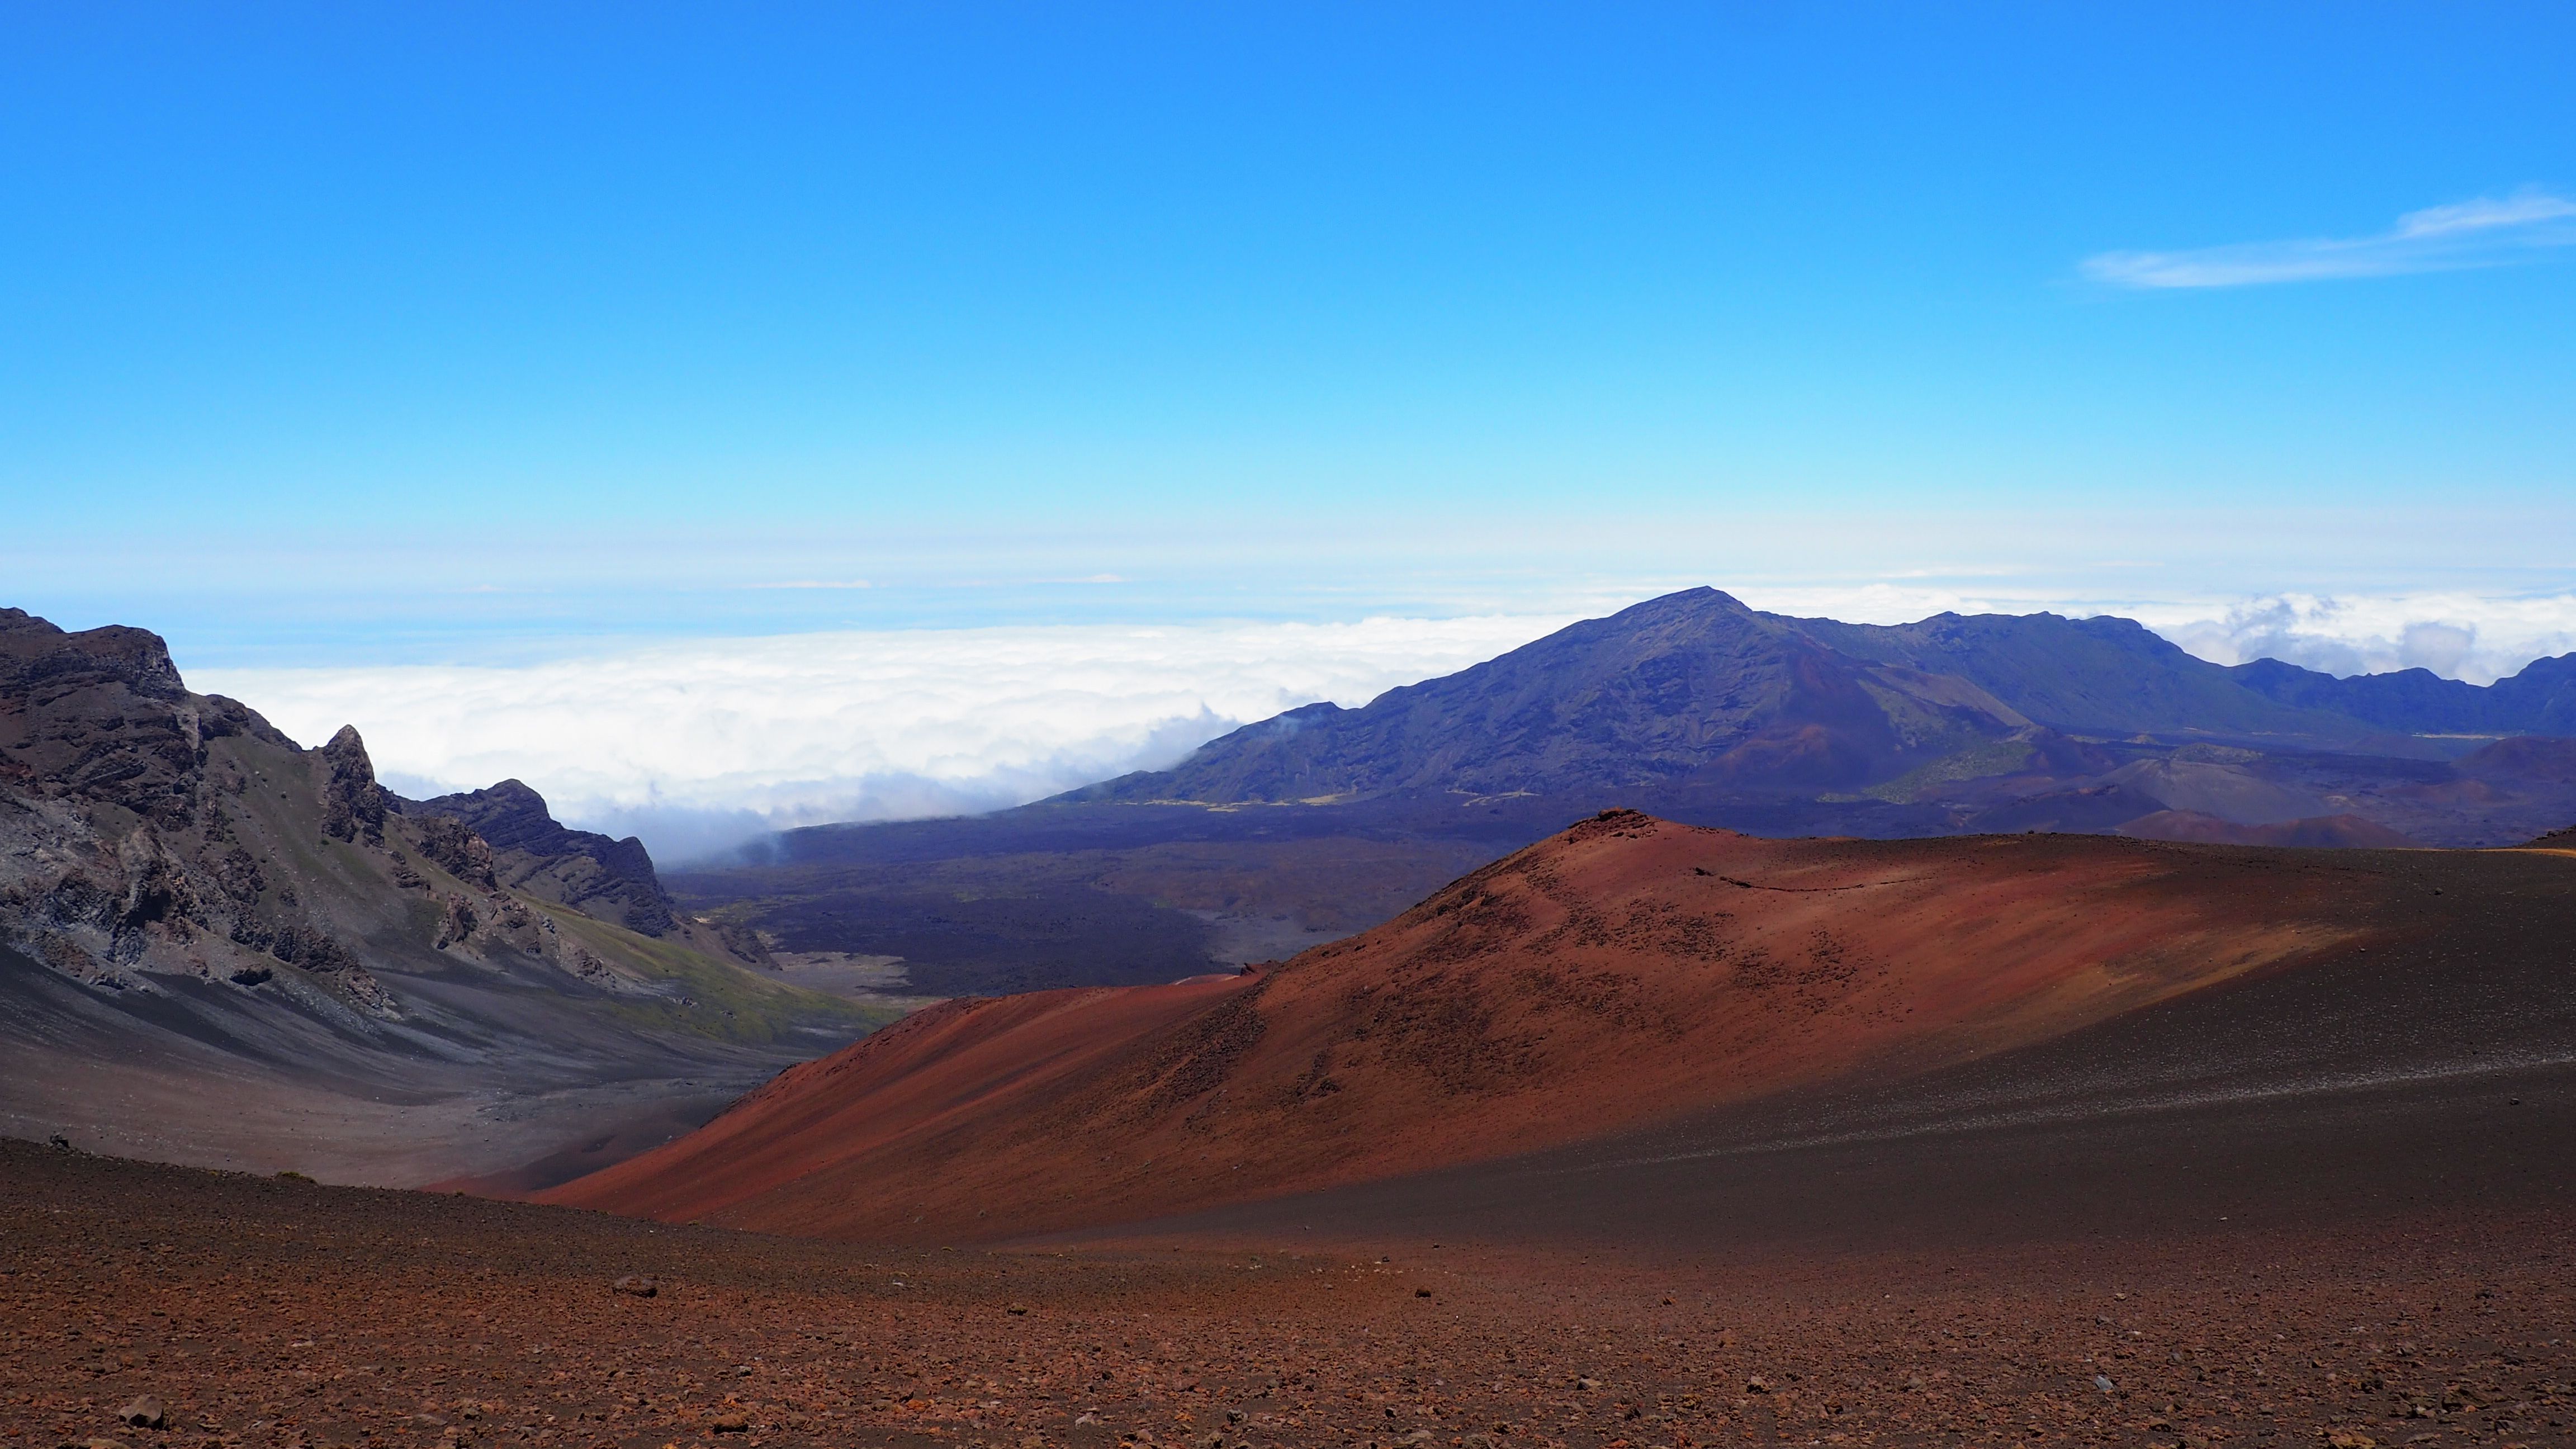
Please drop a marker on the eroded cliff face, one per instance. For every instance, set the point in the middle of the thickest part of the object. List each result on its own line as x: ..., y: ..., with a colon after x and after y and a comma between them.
x: 611, y: 879
x: 219, y: 947
x: 150, y: 832
x: 130, y: 845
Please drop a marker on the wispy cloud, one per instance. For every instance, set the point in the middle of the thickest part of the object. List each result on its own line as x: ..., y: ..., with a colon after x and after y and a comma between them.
x: 2485, y: 232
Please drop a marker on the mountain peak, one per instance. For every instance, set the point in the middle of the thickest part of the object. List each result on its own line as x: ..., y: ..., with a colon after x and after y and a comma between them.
x: 585, y: 870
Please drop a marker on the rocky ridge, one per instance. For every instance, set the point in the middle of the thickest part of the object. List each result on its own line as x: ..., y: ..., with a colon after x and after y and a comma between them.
x: 590, y: 872
x: 152, y: 832
x: 185, y: 888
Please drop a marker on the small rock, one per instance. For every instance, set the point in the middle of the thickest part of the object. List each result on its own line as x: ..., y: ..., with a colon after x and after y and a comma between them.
x: 2350, y: 1439
x: 1234, y: 1416
x: 1421, y: 1292
x: 1018, y: 1310
x: 2103, y: 1382
x: 638, y: 1284
x: 1587, y: 1382
x: 1757, y: 1385
x: 729, y: 1423
x: 144, y: 1413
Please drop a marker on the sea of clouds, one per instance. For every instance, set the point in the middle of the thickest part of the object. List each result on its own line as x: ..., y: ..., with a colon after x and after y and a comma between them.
x: 698, y: 745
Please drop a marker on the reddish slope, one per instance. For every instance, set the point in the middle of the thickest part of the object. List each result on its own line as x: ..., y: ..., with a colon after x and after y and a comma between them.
x: 1626, y: 970
x: 2319, y: 832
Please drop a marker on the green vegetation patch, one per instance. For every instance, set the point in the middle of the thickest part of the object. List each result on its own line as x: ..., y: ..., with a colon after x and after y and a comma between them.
x: 713, y: 998
x: 1974, y: 763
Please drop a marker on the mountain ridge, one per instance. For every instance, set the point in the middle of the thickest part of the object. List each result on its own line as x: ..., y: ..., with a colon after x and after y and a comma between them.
x: 1692, y: 706
x: 187, y: 897
x: 1696, y: 688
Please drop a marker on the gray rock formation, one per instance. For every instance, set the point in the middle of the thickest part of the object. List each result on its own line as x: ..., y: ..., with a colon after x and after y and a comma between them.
x: 217, y: 946
x: 611, y: 879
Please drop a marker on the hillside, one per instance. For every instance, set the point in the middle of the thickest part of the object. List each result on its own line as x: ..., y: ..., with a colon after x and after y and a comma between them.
x: 1694, y: 707
x: 2540, y: 699
x: 1690, y: 689
x: 1696, y: 691
x: 1626, y: 972
x: 217, y: 946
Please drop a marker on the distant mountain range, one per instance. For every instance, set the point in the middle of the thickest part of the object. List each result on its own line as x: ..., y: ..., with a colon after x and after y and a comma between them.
x: 1324, y: 820
x: 1694, y: 691
x: 217, y: 946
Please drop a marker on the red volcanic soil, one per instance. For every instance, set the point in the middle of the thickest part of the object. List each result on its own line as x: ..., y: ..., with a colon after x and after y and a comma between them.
x: 1626, y: 972
x: 262, y: 1312
x: 2321, y: 832
x: 2133, y: 1185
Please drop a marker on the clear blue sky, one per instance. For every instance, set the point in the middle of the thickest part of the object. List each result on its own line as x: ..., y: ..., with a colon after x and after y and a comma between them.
x: 364, y: 329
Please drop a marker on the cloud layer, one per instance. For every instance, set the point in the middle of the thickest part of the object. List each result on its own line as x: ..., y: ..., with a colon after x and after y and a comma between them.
x: 2484, y: 232
x: 2459, y: 636
x: 695, y: 745
x: 698, y: 745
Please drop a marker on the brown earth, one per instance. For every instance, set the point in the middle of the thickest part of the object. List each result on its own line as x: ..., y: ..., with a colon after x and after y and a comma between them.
x: 1626, y: 973
x: 2327, y: 1200
x: 2318, y: 832
x: 265, y: 1312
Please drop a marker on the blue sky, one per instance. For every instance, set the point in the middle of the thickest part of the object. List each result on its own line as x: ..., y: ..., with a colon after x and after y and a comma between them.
x: 702, y: 293
x: 361, y: 334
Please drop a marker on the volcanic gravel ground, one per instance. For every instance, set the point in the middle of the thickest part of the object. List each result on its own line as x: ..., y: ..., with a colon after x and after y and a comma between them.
x: 263, y: 1311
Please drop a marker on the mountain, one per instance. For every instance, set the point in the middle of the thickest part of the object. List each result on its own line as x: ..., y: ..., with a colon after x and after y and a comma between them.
x: 1630, y: 974
x: 1325, y: 820
x: 591, y: 873
x: 217, y: 946
x: 1689, y: 690
x: 2540, y: 700
x: 1694, y: 690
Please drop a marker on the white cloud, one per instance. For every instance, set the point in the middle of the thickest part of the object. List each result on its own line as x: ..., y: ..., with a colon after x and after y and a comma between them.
x: 2483, y: 232
x: 2460, y: 636
x: 697, y: 744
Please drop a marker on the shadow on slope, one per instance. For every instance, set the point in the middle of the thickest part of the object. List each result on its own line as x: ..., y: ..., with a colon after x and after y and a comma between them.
x: 1626, y: 972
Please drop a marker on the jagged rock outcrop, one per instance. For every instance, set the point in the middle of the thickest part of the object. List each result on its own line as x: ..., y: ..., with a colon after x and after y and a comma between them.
x: 532, y: 851
x: 125, y: 806
x: 353, y: 804
x: 146, y: 830
x: 219, y: 947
